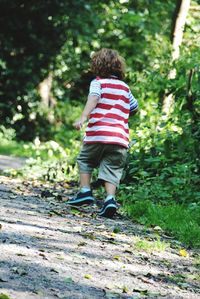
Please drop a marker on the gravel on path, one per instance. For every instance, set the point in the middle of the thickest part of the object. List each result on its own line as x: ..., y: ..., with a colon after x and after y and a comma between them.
x: 49, y: 251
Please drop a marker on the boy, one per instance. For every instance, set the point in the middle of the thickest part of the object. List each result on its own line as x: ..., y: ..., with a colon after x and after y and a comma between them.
x: 106, y: 140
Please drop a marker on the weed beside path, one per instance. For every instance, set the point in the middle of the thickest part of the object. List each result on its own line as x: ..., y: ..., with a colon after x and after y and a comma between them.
x: 51, y: 251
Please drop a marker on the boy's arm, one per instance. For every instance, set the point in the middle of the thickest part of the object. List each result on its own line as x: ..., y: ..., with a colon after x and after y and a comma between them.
x: 89, y: 106
x: 133, y: 104
x: 133, y: 112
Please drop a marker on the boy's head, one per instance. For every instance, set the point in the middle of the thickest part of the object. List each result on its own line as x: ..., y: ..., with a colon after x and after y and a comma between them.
x: 108, y: 62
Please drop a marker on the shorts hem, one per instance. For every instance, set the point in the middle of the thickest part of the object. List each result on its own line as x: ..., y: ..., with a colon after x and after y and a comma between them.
x: 109, y: 181
x: 84, y: 171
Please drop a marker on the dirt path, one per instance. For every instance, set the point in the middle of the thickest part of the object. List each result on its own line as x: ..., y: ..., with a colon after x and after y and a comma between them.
x: 7, y: 162
x: 49, y: 251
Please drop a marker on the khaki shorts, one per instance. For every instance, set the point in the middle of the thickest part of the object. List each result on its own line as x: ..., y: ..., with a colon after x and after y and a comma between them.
x: 110, y: 158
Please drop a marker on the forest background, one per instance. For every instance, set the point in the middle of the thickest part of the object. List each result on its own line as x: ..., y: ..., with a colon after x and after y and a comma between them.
x: 44, y: 64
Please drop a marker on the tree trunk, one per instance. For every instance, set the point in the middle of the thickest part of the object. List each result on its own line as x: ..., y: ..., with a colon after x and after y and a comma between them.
x: 47, y: 99
x: 181, y: 12
x: 44, y: 89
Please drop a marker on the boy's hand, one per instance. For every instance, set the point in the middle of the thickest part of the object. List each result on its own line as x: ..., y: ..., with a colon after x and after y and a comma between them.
x: 79, y: 122
x: 90, y: 105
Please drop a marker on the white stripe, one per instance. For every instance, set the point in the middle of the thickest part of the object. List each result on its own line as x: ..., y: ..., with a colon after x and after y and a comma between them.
x: 94, y: 93
x: 95, y: 87
x: 112, y: 110
x: 108, y: 139
x: 93, y: 120
x: 133, y: 102
x: 107, y: 129
x: 114, y: 91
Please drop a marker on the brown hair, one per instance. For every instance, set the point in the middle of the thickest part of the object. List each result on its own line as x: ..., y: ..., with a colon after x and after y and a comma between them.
x: 108, y: 62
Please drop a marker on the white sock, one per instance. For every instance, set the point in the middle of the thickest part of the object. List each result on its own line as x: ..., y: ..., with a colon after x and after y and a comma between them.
x: 109, y: 196
x: 85, y: 189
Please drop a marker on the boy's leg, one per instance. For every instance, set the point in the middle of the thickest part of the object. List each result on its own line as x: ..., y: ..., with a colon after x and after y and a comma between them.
x: 110, y: 189
x: 111, y: 169
x: 85, y: 180
x: 84, y: 196
x: 110, y: 207
x: 86, y: 162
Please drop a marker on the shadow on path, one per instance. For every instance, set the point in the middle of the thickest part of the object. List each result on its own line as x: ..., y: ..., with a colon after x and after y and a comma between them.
x: 66, y: 255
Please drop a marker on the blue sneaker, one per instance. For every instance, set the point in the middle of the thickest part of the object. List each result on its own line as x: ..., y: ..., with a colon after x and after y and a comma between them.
x: 109, y: 208
x: 82, y: 198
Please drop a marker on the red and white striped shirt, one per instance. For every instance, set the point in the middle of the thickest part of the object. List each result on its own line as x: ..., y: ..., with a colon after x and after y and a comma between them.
x: 108, y: 122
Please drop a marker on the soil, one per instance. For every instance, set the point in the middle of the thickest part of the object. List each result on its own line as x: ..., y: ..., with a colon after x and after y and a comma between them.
x: 49, y: 250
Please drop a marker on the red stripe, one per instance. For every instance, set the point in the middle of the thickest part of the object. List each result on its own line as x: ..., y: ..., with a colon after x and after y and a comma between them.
x: 105, y: 133
x: 108, y: 107
x: 102, y: 123
x: 115, y: 86
x: 111, y: 96
x: 107, y: 142
x: 108, y: 115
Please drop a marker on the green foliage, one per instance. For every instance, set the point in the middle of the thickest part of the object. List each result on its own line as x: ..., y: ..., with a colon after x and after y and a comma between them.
x: 150, y: 246
x: 8, y: 144
x: 34, y: 37
x: 4, y: 296
x: 50, y: 161
x: 181, y: 221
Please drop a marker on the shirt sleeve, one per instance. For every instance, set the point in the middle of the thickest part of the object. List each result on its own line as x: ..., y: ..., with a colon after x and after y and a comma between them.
x: 95, y: 88
x: 133, y: 102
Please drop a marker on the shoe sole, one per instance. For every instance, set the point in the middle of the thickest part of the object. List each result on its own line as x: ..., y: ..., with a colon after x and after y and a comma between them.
x: 109, y: 211
x: 81, y: 202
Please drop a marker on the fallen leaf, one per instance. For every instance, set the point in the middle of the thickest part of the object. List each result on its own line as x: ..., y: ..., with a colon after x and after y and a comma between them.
x: 20, y: 254
x: 157, y: 228
x: 183, y: 285
x: 41, y: 249
x: 141, y: 291
x: 68, y: 280
x: 19, y: 271
x: 110, y: 240
x: 183, y: 253
x: 54, y: 270
x: 89, y: 236
x: 60, y: 258
x: 117, y: 257
x: 109, y: 286
x: 54, y: 212
x: 77, y: 229
x: 125, y: 289
x: 75, y: 211
x: 3, y: 279
x: 13, y: 196
x: 82, y: 244
x: 116, y: 230
x: 87, y: 276
x: 128, y: 251
x: 43, y: 255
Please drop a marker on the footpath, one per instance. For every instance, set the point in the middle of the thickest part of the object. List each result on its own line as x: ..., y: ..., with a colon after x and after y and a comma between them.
x: 49, y: 250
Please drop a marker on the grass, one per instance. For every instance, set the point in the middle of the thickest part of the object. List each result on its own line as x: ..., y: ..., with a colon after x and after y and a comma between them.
x: 150, y: 246
x: 178, y: 220
x: 13, y: 148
